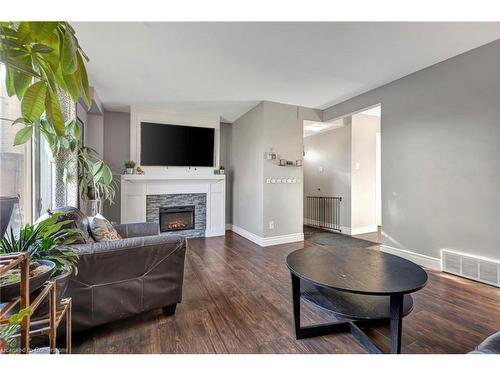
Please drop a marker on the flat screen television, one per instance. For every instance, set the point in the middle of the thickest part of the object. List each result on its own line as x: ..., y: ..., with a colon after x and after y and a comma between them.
x: 176, y: 146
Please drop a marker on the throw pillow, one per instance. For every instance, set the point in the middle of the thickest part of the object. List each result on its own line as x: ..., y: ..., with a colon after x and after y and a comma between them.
x: 102, y: 230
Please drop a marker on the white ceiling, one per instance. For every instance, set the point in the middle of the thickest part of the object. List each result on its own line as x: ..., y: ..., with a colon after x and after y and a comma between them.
x: 226, y: 68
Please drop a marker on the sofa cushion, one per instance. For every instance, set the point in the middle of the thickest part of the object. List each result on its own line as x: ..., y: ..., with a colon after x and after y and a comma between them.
x: 102, y: 230
x: 79, y: 221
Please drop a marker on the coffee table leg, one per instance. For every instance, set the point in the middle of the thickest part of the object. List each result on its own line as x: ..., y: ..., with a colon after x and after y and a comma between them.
x: 296, y: 304
x: 396, y: 322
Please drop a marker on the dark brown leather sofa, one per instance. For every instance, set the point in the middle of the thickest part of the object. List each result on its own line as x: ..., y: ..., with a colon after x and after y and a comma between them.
x: 118, y: 279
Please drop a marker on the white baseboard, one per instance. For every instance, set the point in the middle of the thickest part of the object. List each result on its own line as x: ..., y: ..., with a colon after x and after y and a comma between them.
x: 215, y: 233
x: 267, y: 241
x: 229, y: 226
x: 362, y: 230
x: 287, y: 238
x: 420, y: 259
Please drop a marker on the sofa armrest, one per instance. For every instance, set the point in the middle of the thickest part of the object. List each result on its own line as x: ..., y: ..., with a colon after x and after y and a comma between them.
x: 118, y: 279
x: 137, y: 229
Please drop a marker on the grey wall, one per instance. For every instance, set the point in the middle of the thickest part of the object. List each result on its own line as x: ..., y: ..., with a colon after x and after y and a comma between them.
x: 255, y: 203
x: 225, y: 160
x: 330, y: 151
x: 283, y: 132
x: 116, y: 147
x: 247, y: 153
x: 116, y: 139
x: 440, y: 155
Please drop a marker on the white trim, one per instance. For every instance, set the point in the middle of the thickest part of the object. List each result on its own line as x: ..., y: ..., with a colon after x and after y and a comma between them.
x: 361, y: 230
x: 267, y: 241
x: 229, y: 226
x: 248, y: 235
x: 420, y: 259
x: 278, y: 240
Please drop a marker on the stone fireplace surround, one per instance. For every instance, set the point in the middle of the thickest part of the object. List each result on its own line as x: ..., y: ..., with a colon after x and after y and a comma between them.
x: 198, y: 200
x: 138, y: 190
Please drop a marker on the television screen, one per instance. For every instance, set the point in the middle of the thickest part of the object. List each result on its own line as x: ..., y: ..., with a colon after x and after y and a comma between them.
x: 177, y: 146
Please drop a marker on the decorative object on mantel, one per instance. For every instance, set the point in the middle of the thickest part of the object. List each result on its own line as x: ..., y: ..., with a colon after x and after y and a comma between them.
x: 298, y: 163
x: 139, y: 171
x: 129, y: 166
x: 221, y: 170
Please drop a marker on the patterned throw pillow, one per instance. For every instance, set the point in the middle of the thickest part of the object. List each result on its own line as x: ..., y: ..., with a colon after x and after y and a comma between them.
x: 102, y: 230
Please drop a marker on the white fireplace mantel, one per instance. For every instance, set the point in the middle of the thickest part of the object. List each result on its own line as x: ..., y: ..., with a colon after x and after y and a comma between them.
x: 135, y: 189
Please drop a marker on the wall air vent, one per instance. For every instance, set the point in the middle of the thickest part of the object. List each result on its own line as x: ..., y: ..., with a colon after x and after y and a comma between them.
x: 472, y: 267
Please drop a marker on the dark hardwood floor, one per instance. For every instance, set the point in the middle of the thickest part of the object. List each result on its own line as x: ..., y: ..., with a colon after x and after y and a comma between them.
x: 237, y: 299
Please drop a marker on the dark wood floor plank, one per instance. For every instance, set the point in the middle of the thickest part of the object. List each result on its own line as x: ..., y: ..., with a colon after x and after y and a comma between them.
x: 237, y: 299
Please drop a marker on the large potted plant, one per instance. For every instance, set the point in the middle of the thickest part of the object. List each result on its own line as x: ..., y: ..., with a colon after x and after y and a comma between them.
x: 95, y: 180
x: 46, y: 241
x: 42, y: 59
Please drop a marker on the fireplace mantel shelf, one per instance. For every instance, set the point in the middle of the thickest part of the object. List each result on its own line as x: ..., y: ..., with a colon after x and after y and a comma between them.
x: 163, y: 177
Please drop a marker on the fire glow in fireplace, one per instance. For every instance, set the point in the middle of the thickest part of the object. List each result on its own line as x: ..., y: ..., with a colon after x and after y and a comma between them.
x: 176, y: 218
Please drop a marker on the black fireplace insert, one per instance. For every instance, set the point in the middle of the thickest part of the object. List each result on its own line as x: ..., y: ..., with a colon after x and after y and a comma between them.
x: 176, y: 218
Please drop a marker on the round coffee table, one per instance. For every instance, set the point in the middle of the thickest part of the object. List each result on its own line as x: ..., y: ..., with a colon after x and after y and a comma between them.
x: 364, y: 287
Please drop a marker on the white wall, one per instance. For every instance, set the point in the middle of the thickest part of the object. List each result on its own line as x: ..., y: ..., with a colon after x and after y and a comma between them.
x: 364, y: 170
x: 138, y: 115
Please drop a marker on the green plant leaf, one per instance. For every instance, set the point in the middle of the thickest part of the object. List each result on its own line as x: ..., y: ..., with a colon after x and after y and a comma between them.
x: 54, y: 113
x: 20, y: 66
x: 21, y: 80
x: 23, y: 135
x: 37, y: 31
x: 68, y: 53
x: 107, y: 175
x: 41, y: 48
x: 20, y: 120
x: 84, y: 80
x: 72, y: 84
x: 9, y: 81
x: 32, y: 105
x: 23, y: 31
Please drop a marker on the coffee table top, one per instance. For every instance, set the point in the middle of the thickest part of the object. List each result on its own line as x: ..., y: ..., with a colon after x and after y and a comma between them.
x: 356, y: 270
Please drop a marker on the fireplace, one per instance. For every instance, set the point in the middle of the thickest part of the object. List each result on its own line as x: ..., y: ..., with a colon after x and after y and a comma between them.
x: 176, y: 218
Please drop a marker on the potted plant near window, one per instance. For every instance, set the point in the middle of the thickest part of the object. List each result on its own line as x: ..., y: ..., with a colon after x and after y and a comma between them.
x: 129, y: 166
x: 95, y: 180
x: 47, y: 243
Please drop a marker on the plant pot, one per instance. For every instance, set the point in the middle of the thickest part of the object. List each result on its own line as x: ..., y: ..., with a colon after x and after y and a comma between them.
x: 11, y: 291
x: 129, y: 170
x: 62, y: 282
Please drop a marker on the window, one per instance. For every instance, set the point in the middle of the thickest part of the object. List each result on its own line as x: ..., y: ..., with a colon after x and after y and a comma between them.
x: 15, y: 161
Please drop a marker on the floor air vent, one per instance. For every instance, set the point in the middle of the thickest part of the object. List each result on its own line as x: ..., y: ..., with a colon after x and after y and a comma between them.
x: 479, y: 269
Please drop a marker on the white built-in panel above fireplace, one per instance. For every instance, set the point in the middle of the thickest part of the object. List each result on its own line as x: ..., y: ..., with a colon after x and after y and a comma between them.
x: 136, y: 188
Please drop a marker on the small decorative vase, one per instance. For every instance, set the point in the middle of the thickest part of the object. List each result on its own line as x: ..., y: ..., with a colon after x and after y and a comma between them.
x: 130, y: 170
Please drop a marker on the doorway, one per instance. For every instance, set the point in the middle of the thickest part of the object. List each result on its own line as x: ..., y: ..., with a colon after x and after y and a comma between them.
x: 342, y: 164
